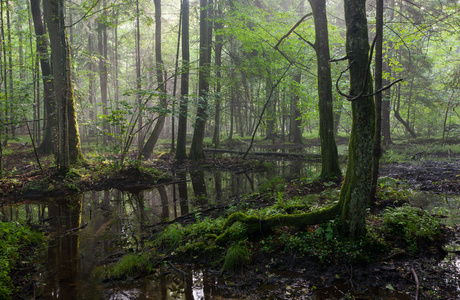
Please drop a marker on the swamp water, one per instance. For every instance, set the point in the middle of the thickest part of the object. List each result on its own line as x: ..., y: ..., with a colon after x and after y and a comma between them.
x: 112, y: 219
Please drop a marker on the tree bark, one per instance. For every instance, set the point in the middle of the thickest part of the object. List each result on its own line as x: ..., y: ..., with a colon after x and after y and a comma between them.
x: 181, y: 152
x: 152, y: 140
x: 196, y: 149
x: 297, y: 117
x: 330, y: 167
x: 356, y: 190
x: 378, y: 97
x: 68, y: 141
x: 102, y: 48
x: 218, y: 62
x: 140, y: 136
x: 47, y: 144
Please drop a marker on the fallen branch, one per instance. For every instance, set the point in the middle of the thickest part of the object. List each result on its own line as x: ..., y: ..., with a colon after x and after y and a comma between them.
x: 74, y: 229
x: 280, y: 154
x: 417, y: 283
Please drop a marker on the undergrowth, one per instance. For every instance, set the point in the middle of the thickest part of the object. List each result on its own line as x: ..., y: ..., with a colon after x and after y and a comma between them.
x: 16, y: 240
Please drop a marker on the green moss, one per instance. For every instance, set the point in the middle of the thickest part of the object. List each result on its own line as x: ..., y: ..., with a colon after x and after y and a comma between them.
x: 236, y: 257
x: 131, y: 265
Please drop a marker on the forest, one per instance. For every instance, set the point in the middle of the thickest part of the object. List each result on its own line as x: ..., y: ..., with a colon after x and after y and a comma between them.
x: 229, y: 149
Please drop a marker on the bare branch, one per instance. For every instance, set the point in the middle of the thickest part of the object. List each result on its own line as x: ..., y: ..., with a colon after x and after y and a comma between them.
x: 385, y: 88
x: 292, y: 29
x: 302, y: 38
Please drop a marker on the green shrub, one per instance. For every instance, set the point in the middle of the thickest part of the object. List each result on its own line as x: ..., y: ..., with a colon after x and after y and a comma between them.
x: 412, y: 223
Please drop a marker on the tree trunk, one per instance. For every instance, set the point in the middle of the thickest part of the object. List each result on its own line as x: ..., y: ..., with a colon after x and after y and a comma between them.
x: 196, y: 149
x: 181, y: 152
x: 297, y: 117
x: 218, y: 62
x: 330, y: 167
x: 378, y: 97
x: 356, y: 190
x: 68, y: 142
x: 11, y: 113
x: 102, y: 48
x: 151, y: 142
x: 140, y: 136
x: 47, y: 144
x: 386, y: 95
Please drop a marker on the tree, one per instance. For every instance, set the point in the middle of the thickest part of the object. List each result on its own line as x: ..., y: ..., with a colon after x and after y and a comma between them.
x: 196, y: 149
x: 378, y: 97
x: 152, y: 140
x: 103, y: 72
x: 330, y: 167
x: 68, y: 138
x: 356, y: 189
x: 181, y: 152
x: 47, y: 144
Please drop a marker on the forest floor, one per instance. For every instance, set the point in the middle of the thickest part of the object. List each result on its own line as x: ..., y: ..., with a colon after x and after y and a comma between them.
x: 287, y: 277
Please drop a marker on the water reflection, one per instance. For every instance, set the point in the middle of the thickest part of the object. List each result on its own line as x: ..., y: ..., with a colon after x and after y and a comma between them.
x: 113, y: 222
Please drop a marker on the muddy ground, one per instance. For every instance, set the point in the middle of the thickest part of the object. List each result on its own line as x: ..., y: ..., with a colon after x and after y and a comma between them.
x: 427, y: 275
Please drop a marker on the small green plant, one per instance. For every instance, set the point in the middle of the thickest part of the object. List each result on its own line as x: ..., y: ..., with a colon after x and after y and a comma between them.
x: 236, y: 257
x: 277, y: 184
x: 412, y: 223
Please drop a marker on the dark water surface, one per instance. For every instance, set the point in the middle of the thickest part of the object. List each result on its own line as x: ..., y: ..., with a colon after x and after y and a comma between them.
x: 112, y: 219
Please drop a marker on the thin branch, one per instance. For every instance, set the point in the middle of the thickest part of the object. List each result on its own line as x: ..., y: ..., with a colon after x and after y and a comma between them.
x: 303, y: 39
x: 368, y: 71
x: 338, y: 79
x: 87, y: 13
x: 384, y: 88
x: 292, y: 29
x: 339, y: 59
x: 264, y: 108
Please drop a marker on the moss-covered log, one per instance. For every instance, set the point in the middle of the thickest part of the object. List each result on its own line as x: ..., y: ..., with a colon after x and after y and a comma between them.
x: 255, y: 225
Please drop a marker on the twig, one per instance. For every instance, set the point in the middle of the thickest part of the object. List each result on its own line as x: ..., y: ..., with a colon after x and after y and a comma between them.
x: 33, y: 145
x: 417, y: 283
x: 75, y: 229
x: 264, y: 108
x: 292, y: 29
x: 176, y: 269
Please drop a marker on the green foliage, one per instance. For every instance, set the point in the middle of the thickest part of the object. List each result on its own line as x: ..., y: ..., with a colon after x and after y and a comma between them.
x: 197, y: 238
x: 274, y: 184
x: 15, y: 240
x: 130, y: 265
x: 324, y: 243
x: 393, y: 190
x: 236, y: 257
x: 411, y: 223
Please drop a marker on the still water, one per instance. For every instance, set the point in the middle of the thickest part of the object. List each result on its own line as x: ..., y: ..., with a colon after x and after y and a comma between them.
x: 110, y: 220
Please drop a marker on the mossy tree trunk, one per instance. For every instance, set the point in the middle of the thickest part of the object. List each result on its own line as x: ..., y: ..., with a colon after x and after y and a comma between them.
x: 68, y: 142
x: 356, y: 190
